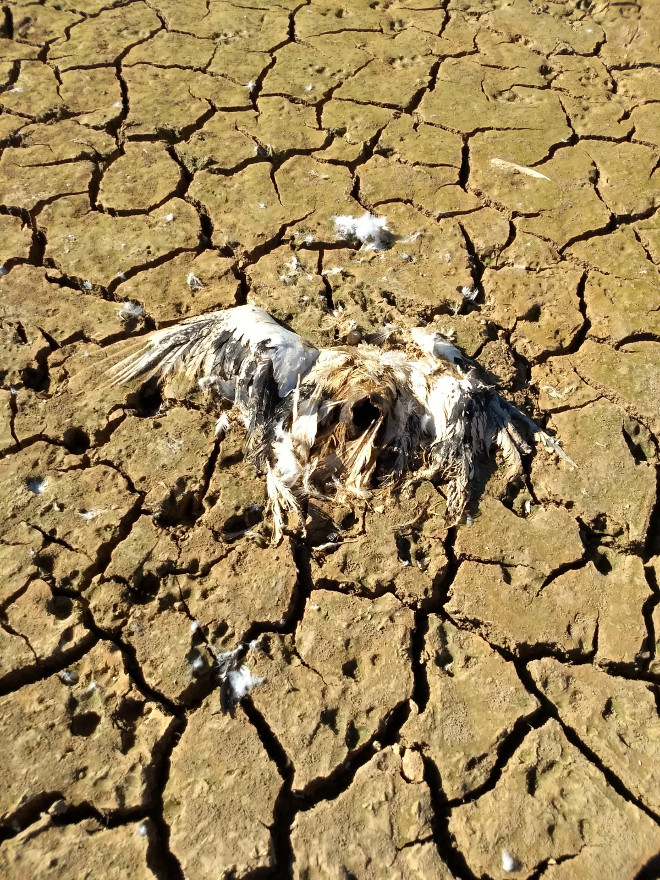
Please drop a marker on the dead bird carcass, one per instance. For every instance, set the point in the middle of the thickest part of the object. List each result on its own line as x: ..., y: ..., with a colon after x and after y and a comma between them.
x: 345, y: 421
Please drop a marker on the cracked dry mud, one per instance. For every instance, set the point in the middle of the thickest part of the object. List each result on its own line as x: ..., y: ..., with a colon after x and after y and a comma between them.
x: 473, y: 702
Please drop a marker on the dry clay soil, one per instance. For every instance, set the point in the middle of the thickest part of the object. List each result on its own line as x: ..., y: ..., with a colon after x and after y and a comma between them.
x: 472, y: 702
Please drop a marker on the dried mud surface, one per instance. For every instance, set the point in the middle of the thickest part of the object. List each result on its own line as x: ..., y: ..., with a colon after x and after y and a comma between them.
x: 478, y: 702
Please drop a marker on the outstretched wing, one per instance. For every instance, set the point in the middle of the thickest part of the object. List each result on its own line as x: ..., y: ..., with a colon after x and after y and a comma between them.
x: 240, y: 350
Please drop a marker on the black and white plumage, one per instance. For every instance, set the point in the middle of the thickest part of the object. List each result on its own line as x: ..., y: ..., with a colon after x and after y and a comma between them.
x: 344, y: 421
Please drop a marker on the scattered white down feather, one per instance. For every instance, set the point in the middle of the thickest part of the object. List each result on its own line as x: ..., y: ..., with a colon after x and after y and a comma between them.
x: 198, y: 664
x: 241, y: 682
x: 509, y: 863
x: 226, y: 660
x: 222, y: 425
x: 193, y: 282
x: 368, y: 229
x: 130, y: 310
x: 470, y: 293
x: 290, y: 271
x: 91, y: 514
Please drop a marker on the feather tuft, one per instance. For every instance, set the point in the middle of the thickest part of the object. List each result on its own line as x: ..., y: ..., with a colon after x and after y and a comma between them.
x: 372, y: 232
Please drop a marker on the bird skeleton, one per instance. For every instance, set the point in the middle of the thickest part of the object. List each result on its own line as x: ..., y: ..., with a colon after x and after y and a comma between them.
x: 344, y: 421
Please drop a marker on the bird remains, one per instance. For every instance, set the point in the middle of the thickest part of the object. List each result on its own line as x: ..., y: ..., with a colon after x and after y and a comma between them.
x: 344, y: 421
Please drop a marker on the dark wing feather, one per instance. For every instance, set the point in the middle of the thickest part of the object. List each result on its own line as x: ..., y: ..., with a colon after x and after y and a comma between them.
x: 243, y: 348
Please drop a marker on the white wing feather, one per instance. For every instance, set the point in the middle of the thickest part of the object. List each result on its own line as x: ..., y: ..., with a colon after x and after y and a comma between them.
x: 228, y: 345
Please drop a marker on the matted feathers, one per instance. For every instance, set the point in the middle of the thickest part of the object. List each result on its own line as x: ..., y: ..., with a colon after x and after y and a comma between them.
x: 342, y: 421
